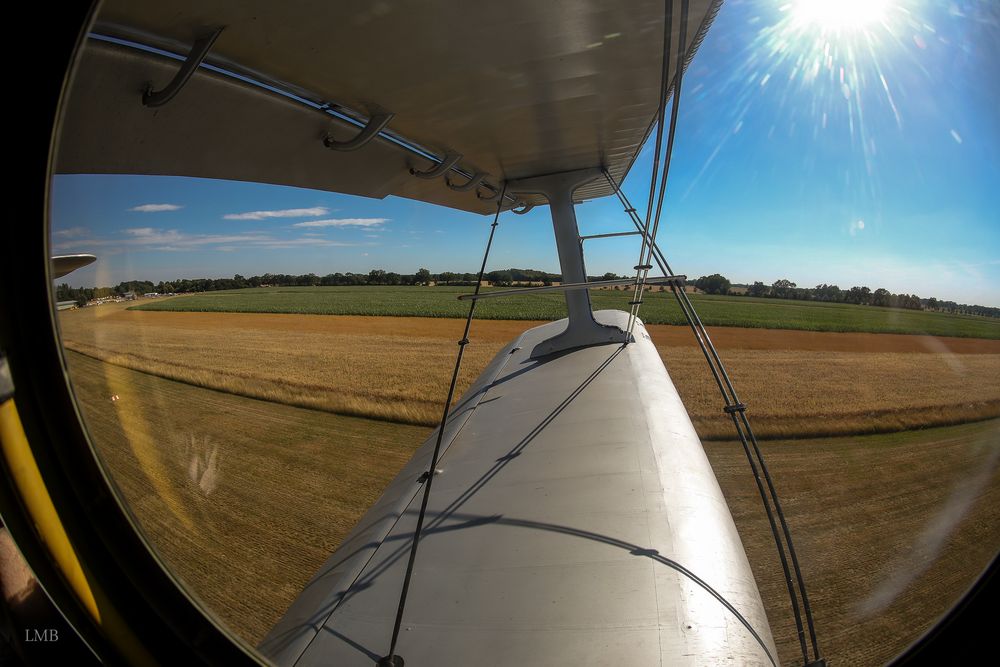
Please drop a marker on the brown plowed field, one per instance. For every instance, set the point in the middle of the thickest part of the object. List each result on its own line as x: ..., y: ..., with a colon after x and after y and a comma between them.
x: 797, y: 383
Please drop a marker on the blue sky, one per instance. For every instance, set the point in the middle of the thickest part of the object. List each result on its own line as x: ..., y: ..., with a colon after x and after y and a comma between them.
x: 810, y: 146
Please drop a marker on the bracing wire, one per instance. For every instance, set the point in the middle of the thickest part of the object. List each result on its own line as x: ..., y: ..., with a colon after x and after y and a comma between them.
x: 649, y: 236
x: 391, y: 659
x: 668, y: 15
x: 733, y: 406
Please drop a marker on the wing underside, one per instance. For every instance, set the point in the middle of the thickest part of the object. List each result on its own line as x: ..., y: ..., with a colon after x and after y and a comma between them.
x: 518, y: 89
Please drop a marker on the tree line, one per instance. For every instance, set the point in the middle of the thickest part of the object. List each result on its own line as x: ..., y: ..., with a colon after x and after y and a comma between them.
x: 503, y: 277
x: 859, y: 295
x: 711, y: 284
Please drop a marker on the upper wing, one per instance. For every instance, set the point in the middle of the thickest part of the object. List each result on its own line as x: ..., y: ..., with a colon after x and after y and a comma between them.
x: 519, y: 89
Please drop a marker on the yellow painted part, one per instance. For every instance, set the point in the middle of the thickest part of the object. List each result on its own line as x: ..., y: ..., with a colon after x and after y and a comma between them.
x: 21, y: 463
x: 28, y: 480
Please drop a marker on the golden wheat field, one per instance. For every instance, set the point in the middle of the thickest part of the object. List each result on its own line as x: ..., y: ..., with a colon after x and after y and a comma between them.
x: 797, y: 384
x: 245, y: 499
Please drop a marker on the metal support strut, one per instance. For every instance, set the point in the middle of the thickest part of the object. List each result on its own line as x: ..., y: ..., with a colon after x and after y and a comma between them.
x: 582, y: 329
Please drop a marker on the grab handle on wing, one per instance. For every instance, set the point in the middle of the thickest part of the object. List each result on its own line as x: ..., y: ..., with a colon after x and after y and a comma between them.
x: 201, y: 47
x: 375, y: 125
x: 469, y: 185
x: 450, y: 160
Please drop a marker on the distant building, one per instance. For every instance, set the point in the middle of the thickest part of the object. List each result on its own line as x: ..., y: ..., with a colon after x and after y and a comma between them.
x: 66, y: 305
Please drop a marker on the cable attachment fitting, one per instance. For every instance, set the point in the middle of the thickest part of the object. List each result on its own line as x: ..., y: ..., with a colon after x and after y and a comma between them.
x: 463, y: 342
x: 731, y: 409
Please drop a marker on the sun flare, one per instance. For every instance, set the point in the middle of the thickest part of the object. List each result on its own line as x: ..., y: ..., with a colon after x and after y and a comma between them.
x: 839, y: 14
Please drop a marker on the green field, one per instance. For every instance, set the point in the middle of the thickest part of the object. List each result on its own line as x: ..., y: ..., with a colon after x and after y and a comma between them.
x: 659, y: 308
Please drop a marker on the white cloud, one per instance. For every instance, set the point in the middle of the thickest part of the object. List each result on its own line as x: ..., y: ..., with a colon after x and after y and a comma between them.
x: 283, y: 213
x: 856, y: 227
x: 295, y: 243
x: 151, y: 238
x: 155, y: 208
x: 71, y: 233
x: 343, y: 222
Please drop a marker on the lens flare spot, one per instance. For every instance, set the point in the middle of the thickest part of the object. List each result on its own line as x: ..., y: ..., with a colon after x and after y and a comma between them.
x: 839, y: 14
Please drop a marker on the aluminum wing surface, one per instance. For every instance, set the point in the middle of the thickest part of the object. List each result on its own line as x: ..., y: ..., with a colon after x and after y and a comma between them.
x: 574, y: 519
x: 519, y: 89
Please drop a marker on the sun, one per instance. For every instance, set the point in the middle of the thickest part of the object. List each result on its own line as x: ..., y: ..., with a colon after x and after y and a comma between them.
x: 838, y: 14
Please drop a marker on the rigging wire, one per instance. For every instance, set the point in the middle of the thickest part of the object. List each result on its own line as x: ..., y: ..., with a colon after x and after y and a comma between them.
x: 391, y: 659
x: 668, y: 15
x: 747, y: 439
x: 646, y: 251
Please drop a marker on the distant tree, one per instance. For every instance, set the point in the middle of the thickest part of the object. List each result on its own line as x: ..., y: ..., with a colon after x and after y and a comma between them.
x: 758, y: 289
x: 826, y: 292
x: 782, y: 289
x: 423, y: 277
x: 858, y: 295
x: 501, y: 278
x: 881, y: 297
x: 376, y: 277
x: 609, y: 276
x: 713, y: 284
